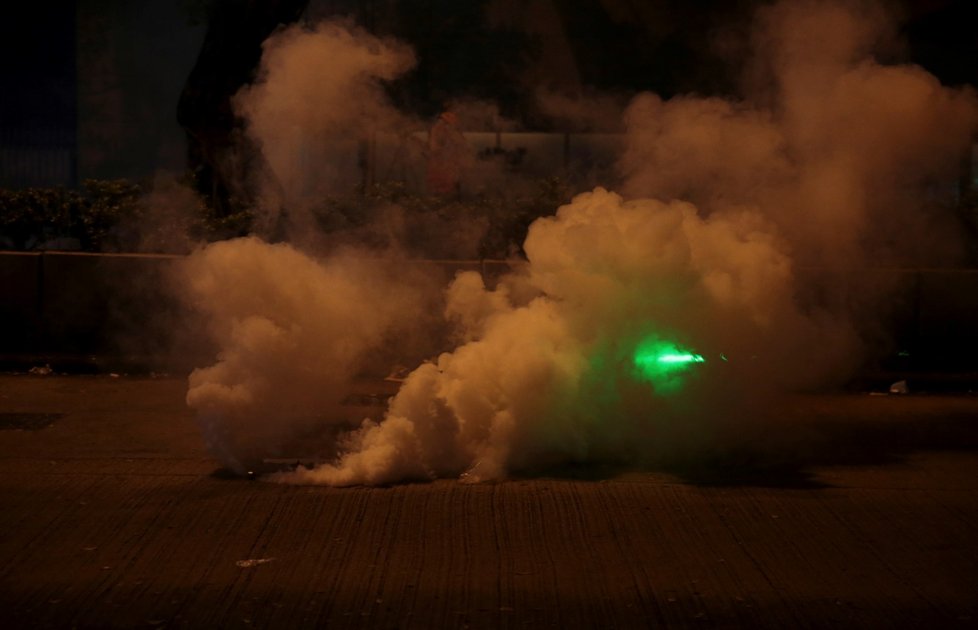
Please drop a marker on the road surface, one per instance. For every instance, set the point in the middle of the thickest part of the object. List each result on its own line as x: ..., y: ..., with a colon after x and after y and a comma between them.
x: 112, y: 514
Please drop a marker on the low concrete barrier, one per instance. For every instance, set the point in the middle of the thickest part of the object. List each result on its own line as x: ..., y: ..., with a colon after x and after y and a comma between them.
x: 946, y: 310
x: 73, y: 305
x: 22, y: 307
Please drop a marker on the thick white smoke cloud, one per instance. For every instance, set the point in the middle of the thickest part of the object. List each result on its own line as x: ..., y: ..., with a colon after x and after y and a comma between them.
x: 294, y: 333
x: 296, y: 329
x: 552, y: 372
x: 699, y: 258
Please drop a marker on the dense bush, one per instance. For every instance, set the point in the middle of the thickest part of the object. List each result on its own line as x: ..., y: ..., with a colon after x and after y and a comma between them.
x: 120, y: 215
x: 31, y: 217
x: 480, y: 225
x: 40, y: 218
x: 104, y: 216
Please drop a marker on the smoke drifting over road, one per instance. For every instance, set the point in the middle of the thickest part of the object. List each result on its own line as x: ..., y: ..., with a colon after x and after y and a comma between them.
x: 646, y: 324
x: 294, y: 331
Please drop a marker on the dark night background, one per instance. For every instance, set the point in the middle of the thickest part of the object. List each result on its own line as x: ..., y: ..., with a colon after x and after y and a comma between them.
x: 91, y: 88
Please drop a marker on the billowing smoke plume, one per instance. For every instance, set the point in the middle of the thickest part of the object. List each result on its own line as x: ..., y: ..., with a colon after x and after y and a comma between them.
x: 587, y: 357
x: 295, y: 332
x: 833, y: 147
x: 318, y: 96
x: 295, y: 329
x: 644, y: 326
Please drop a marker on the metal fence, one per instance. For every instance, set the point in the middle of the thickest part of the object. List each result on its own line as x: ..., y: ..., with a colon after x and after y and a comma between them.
x: 37, y: 157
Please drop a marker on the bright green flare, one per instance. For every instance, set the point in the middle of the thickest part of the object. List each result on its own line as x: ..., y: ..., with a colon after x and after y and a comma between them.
x: 686, y: 357
x: 662, y: 363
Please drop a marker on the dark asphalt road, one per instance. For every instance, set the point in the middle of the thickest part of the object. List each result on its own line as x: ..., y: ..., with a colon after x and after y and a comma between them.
x: 113, y: 515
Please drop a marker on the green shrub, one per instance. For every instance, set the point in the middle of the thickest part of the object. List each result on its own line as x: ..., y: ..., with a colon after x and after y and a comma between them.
x: 106, y: 216
x: 432, y: 221
x: 33, y: 217
x: 121, y: 215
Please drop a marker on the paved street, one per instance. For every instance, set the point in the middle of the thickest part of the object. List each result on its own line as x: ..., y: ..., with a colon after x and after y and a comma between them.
x: 112, y: 514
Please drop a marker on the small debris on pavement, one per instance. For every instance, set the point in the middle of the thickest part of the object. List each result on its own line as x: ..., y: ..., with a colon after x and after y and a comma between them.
x: 900, y: 387
x: 253, y: 562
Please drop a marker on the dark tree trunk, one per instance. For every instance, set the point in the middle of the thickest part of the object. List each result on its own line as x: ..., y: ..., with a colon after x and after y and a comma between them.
x: 220, y: 157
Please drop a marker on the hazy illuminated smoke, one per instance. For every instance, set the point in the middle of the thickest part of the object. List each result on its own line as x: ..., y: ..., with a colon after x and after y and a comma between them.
x: 293, y: 332
x: 318, y: 93
x: 645, y: 324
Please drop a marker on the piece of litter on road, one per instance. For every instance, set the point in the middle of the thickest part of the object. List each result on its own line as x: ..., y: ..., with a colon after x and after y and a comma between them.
x: 253, y: 562
x: 900, y: 387
x: 398, y: 374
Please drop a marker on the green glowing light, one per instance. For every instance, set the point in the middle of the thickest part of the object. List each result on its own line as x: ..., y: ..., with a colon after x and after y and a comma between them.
x: 662, y: 363
x: 685, y: 357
